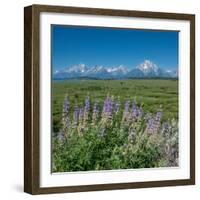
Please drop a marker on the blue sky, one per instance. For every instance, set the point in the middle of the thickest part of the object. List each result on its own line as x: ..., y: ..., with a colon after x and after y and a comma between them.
x: 73, y: 45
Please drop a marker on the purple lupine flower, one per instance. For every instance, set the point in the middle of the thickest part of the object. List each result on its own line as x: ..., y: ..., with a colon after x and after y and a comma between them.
x: 87, y: 104
x: 76, y: 116
x: 157, y: 121
x: 134, y: 105
x: 165, y: 129
x: 134, y: 111
x: 126, y: 114
x: 95, y: 114
x: 159, y: 115
x: 104, y: 113
x: 81, y: 114
x: 117, y: 106
x: 108, y: 106
x: 86, y: 110
x: 154, y: 123
x: 80, y: 127
x: 107, y: 112
x: 127, y: 106
x: 150, y: 126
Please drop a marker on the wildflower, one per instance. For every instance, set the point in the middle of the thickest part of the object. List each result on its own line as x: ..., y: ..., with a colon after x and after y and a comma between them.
x: 95, y: 114
x: 86, y: 110
x: 107, y: 105
x: 157, y: 121
x: 81, y: 114
x: 127, y: 106
x: 158, y: 116
x: 154, y: 123
x: 116, y: 106
x: 134, y: 111
x: 126, y: 115
x: 80, y: 123
x: 76, y: 116
x: 150, y: 126
x: 107, y: 113
x: 165, y: 130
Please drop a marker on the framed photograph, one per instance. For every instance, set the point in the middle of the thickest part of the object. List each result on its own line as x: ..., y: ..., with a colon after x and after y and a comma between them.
x: 109, y: 99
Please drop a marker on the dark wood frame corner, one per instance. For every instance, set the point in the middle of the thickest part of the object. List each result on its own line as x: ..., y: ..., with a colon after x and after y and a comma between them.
x: 32, y: 106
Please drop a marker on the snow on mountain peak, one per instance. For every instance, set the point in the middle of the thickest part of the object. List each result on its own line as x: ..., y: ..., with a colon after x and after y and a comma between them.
x: 147, y: 66
x: 120, y: 69
x: 144, y: 70
x: 77, y: 68
x: 82, y: 67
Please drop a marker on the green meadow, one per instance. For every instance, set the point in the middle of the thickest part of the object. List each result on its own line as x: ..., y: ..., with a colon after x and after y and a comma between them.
x: 152, y: 94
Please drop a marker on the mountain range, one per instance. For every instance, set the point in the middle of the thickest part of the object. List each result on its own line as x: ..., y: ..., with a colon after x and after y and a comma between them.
x: 147, y: 69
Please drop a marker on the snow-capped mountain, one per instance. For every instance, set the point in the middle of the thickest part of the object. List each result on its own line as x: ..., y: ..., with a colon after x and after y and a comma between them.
x: 97, y: 70
x: 81, y: 68
x: 117, y: 70
x: 147, y: 69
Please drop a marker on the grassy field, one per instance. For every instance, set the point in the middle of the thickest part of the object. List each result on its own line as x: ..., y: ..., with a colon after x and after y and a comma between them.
x: 150, y: 93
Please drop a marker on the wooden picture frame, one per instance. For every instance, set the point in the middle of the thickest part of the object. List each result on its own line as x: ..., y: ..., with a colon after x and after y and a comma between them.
x: 32, y: 98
